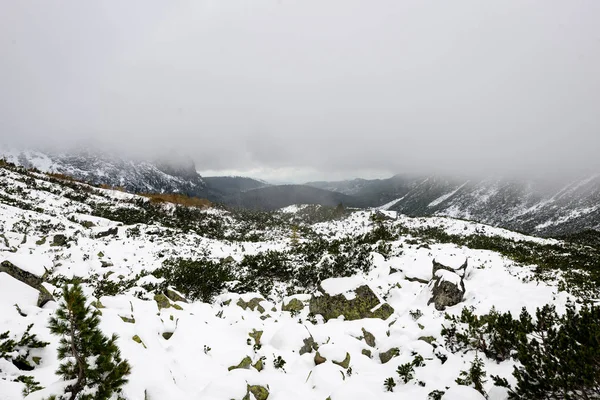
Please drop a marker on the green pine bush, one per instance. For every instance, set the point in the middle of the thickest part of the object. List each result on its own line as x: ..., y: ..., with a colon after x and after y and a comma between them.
x: 91, y: 360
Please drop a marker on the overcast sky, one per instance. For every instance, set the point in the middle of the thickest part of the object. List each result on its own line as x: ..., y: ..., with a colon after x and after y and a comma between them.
x: 293, y: 90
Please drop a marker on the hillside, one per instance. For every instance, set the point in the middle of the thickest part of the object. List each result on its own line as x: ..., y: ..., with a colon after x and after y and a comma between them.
x: 138, y: 176
x: 529, y: 206
x: 301, y: 303
x: 233, y: 184
x: 274, y: 197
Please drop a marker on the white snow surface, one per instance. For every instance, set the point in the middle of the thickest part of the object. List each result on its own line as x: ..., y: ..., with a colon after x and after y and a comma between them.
x: 209, y: 338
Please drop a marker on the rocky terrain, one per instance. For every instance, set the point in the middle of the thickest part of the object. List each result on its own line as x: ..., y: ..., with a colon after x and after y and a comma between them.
x: 306, y: 302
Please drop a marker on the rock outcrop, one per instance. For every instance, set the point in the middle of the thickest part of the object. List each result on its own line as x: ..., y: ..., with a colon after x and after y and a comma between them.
x: 447, y: 285
x: 29, y: 279
x: 362, y: 303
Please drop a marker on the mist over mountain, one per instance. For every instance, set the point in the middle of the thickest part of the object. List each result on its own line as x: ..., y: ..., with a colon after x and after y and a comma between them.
x: 535, y: 206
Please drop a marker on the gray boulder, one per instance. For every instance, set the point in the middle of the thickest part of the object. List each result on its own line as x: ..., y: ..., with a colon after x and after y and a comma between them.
x: 447, y: 289
x: 29, y: 279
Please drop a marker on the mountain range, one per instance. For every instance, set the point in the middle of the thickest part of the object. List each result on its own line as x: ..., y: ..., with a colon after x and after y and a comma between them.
x: 526, y: 205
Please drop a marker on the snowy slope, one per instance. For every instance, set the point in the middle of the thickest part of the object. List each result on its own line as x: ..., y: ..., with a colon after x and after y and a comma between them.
x: 209, y: 338
x: 101, y: 168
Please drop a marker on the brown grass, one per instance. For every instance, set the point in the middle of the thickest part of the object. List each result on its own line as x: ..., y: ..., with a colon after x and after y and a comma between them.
x: 64, y: 177
x: 179, y: 199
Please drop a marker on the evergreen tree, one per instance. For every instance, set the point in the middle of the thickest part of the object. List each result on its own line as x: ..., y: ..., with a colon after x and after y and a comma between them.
x: 560, y: 359
x: 90, y: 360
x: 474, y: 377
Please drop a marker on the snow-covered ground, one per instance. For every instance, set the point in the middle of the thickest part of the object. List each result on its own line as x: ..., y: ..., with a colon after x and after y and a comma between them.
x: 207, y: 339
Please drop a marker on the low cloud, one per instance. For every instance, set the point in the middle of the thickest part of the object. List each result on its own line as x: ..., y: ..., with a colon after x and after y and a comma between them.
x: 311, y: 88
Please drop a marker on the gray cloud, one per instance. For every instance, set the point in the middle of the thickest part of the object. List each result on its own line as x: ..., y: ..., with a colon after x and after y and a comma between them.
x: 335, y: 87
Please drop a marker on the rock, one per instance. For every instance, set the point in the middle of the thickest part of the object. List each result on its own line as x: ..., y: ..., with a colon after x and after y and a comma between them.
x: 345, y: 363
x: 359, y: 307
x: 256, y: 335
x: 259, y: 392
x: 128, y: 320
x: 309, y: 345
x: 427, y: 339
x: 367, y: 353
x: 137, y: 339
x: 59, y: 240
x: 253, y: 304
x: 110, y: 232
x: 174, y: 296
x: 447, y: 289
x: 106, y: 264
x: 415, y: 279
x: 167, y: 335
x: 244, y: 364
x: 87, y: 224
x: 29, y: 279
x: 162, y: 301
x: 369, y: 338
x: 459, y: 271
x: 293, y: 305
x: 258, y: 365
x: 388, y: 355
x: 319, y: 359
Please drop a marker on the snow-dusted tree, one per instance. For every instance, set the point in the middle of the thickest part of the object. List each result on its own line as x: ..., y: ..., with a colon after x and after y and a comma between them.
x: 92, y: 362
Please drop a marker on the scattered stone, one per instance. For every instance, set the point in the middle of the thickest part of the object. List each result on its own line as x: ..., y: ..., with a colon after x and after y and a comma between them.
x: 127, y: 320
x: 388, y: 355
x: 309, y: 345
x: 244, y: 364
x: 319, y: 359
x: 415, y: 279
x: 41, y: 241
x: 162, y: 301
x: 293, y: 305
x: 59, y: 240
x: 345, y: 363
x: 459, y: 271
x: 87, y: 224
x: 137, y: 339
x: 259, y: 392
x: 110, y: 232
x: 29, y: 279
x: 253, y: 304
x: 369, y: 338
x: 447, y: 289
x: 175, y: 296
x: 258, y: 365
x: 256, y: 335
x: 367, y: 353
x: 427, y: 339
x: 364, y: 305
